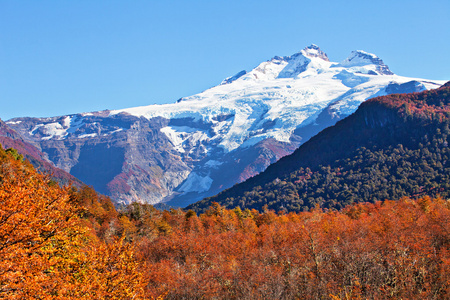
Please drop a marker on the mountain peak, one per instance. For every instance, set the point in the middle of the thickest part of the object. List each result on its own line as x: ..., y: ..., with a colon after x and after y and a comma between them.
x: 359, y: 58
x: 314, y: 51
x: 311, y: 57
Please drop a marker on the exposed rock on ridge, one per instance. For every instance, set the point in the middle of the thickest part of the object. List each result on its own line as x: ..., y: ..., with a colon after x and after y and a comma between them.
x: 184, y: 151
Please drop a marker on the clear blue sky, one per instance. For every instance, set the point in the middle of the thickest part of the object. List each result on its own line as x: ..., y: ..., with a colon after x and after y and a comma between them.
x: 63, y: 57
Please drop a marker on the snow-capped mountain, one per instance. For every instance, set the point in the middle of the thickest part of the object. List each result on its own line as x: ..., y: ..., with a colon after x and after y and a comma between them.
x: 207, y: 142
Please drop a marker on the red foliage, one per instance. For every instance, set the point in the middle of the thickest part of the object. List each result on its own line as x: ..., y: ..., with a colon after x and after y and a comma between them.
x: 119, y: 184
x: 432, y: 104
x: 391, y: 249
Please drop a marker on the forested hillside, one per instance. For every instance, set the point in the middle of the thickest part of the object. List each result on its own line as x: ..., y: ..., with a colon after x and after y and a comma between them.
x: 386, y: 250
x: 392, y: 146
x: 69, y: 243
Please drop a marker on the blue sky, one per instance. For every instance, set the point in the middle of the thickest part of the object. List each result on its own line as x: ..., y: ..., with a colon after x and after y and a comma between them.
x: 64, y: 57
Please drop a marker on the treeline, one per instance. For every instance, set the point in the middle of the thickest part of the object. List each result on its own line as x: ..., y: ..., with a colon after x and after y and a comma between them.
x: 368, y: 176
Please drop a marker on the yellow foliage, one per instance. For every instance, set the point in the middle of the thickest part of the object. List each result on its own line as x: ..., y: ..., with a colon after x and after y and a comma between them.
x: 46, y: 252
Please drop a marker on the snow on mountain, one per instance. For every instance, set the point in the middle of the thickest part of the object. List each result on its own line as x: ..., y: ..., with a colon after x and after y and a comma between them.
x: 207, y: 142
x: 286, y: 92
x: 363, y: 62
x: 233, y: 78
x: 59, y: 128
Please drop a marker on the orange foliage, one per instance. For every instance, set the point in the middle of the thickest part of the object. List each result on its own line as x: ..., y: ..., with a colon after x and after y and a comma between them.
x: 45, y: 250
x: 59, y: 243
x: 391, y: 249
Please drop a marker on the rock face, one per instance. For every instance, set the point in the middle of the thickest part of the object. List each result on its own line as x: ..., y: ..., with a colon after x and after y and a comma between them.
x: 181, y: 152
x: 9, y: 138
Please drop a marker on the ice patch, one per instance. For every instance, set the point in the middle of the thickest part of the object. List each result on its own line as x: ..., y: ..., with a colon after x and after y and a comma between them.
x: 117, y: 130
x: 66, y: 122
x: 350, y: 79
x: 74, y: 124
x: 175, y: 137
x: 196, y: 183
x: 295, y: 66
x: 214, y: 164
x: 88, y: 135
x: 253, y: 141
x: 13, y: 122
x: 53, y: 130
x: 33, y: 131
x: 180, y: 135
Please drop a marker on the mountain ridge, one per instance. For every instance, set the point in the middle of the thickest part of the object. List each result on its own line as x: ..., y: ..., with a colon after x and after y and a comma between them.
x: 178, y: 152
x: 9, y: 138
x: 374, y: 144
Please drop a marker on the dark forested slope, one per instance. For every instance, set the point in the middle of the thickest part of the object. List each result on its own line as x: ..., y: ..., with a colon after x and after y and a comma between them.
x: 392, y: 146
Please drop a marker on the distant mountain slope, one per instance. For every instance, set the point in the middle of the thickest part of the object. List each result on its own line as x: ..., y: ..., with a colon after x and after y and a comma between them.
x: 182, y: 152
x: 392, y: 146
x: 11, y: 139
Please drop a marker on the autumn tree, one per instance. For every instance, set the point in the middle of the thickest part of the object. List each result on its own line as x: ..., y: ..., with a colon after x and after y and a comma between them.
x: 46, y: 251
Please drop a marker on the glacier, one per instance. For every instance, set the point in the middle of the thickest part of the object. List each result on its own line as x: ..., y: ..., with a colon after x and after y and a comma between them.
x: 290, y: 90
x: 201, y: 144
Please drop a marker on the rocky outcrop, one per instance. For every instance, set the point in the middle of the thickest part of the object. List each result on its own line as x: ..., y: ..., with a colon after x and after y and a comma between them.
x: 9, y: 138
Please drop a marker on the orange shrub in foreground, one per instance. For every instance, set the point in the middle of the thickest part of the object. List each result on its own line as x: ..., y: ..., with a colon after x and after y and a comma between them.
x: 45, y: 250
